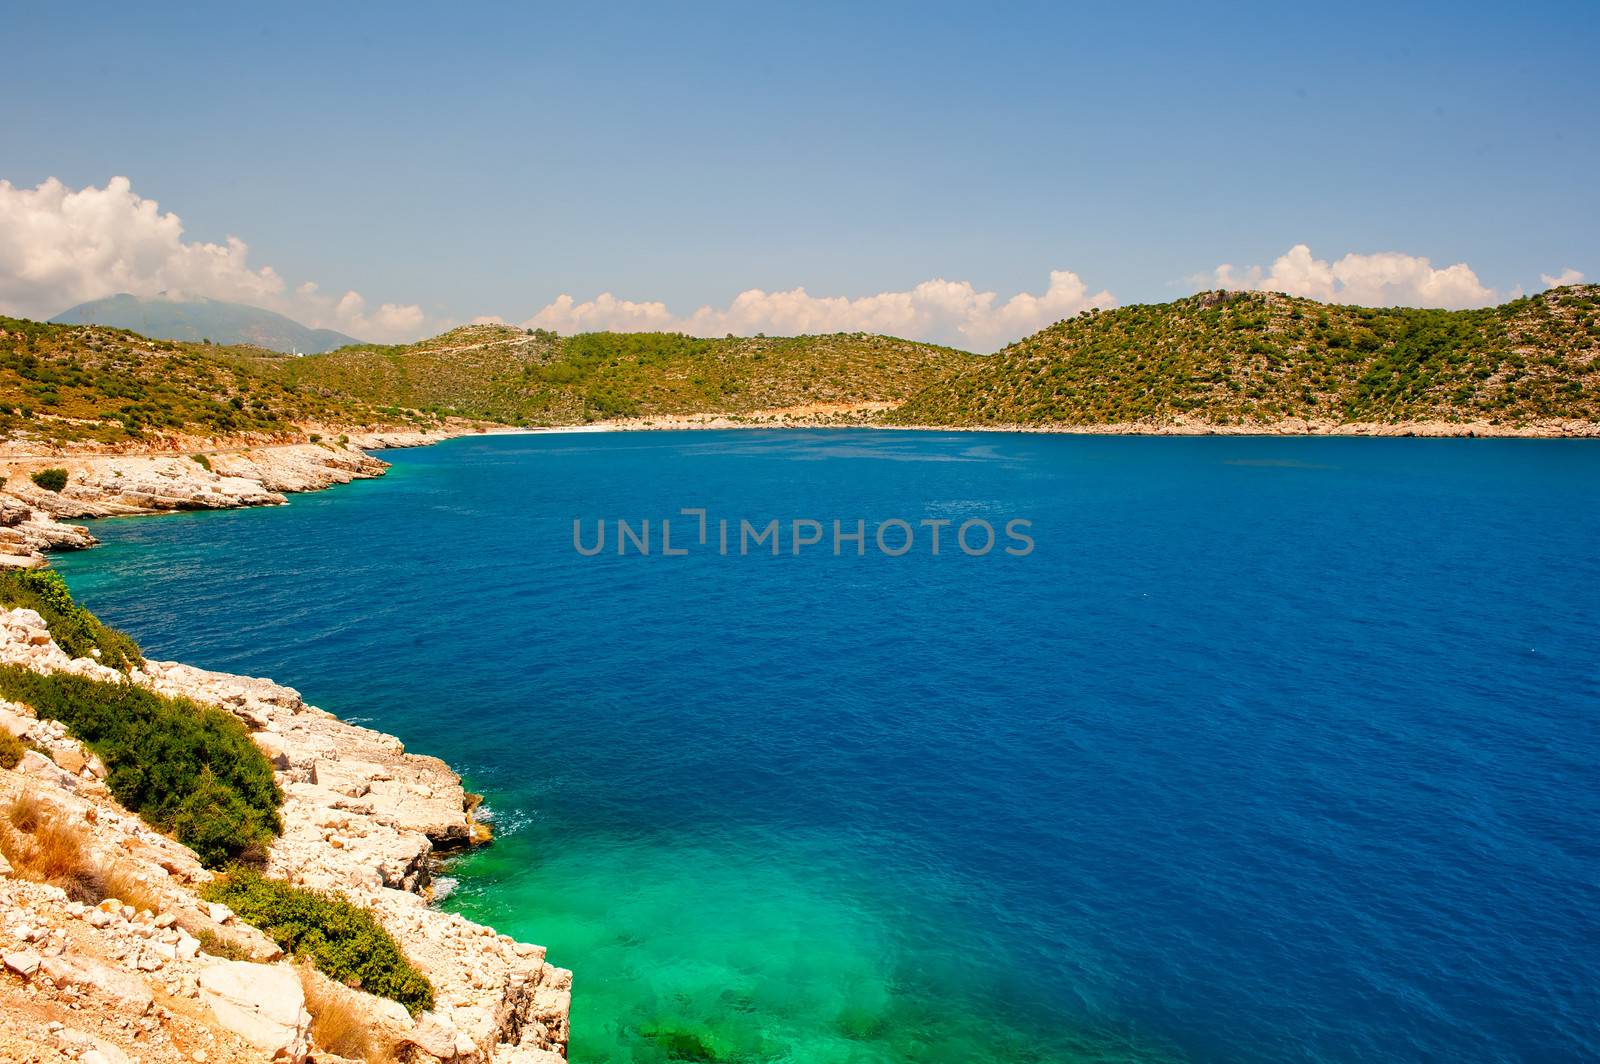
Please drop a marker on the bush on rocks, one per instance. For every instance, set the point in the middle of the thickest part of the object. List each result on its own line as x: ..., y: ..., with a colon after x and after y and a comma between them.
x: 186, y: 768
x: 52, y: 479
x: 341, y: 939
x: 76, y: 630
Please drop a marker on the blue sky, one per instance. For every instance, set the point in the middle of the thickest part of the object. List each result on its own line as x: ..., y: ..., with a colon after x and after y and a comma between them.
x: 484, y: 159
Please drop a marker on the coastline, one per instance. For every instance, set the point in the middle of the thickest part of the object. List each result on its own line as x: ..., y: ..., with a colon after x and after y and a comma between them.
x: 361, y: 814
x: 860, y: 415
x: 178, y: 474
x: 186, y: 473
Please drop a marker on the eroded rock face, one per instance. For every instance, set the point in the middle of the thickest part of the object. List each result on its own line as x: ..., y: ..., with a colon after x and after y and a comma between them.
x: 124, y: 990
x: 26, y: 533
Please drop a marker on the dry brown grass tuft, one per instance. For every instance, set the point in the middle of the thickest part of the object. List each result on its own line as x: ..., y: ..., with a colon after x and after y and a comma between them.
x: 11, y: 750
x: 338, y: 1025
x: 117, y: 881
x: 25, y: 811
x: 45, y: 848
x: 57, y: 852
x: 41, y: 847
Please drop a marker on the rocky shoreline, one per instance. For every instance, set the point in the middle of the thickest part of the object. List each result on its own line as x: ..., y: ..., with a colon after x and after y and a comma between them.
x: 864, y: 415
x: 1555, y: 429
x: 360, y: 815
x: 175, y: 478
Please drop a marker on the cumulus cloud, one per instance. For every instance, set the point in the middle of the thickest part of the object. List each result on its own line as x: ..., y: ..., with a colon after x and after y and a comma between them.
x: 1566, y: 276
x: 1385, y: 279
x: 951, y: 312
x: 61, y: 246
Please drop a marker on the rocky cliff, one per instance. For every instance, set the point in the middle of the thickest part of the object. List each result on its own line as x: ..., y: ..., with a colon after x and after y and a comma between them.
x: 125, y: 980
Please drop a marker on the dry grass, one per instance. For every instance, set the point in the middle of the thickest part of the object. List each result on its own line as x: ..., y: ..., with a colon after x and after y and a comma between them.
x: 338, y: 1024
x: 25, y: 811
x: 42, y: 846
x: 118, y: 881
x: 11, y: 749
x: 217, y: 946
x: 57, y: 854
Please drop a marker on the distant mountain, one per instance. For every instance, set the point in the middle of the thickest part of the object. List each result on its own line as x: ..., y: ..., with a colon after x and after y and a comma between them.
x: 204, y: 319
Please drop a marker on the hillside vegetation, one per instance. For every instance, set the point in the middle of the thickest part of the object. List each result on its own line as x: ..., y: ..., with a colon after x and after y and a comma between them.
x: 511, y: 375
x: 1242, y: 358
x: 1218, y: 358
x: 64, y: 383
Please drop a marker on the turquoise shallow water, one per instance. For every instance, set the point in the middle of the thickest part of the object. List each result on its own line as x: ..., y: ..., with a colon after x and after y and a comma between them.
x: 1271, y: 750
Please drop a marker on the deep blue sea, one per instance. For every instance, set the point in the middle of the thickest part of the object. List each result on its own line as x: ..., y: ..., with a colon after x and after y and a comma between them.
x: 1270, y: 750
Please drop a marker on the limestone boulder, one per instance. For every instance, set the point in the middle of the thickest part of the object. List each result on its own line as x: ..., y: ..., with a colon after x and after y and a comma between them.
x: 261, y: 1003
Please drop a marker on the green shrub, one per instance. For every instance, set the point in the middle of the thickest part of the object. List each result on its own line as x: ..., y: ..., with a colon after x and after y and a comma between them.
x: 202, y: 461
x: 343, y: 940
x: 186, y: 768
x: 52, y: 479
x: 75, y: 629
x: 11, y: 749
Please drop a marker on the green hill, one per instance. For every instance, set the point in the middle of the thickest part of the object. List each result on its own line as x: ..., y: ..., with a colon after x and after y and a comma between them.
x: 61, y: 383
x: 201, y: 319
x: 1243, y: 358
x: 505, y: 374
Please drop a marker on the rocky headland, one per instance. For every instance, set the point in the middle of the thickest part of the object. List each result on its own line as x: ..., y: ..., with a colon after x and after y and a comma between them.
x: 164, y: 975
x: 192, y: 474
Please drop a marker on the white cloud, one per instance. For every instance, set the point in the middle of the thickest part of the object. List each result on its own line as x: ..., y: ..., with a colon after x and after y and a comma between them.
x: 951, y: 312
x: 1566, y: 276
x: 1385, y: 279
x: 60, y: 247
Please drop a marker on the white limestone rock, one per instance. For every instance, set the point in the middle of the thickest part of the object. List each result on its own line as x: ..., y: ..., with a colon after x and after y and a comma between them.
x: 263, y: 1004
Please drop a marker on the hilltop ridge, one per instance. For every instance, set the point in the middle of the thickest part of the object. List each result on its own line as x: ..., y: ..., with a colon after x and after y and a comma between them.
x: 1243, y: 359
x: 536, y: 377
